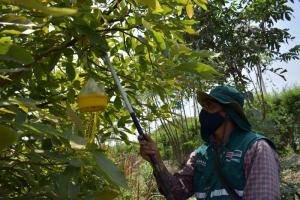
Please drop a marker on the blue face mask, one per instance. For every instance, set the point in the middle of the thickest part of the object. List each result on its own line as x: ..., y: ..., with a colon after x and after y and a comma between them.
x: 209, y: 123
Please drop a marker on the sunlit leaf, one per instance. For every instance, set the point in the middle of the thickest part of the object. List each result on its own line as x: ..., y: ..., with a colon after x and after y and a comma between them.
x: 11, y: 32
x: 34, y: 4
x: 146, y: 24
x: 6, y: 40
x: 189, y: 10
x: 189, y: 22
x: 190, y: 30
x: 179, y: 10
x: 159, y: 38
x: 202, y: 4
x: 4, y: 110
x: 5, y: 77
x: 153, y: 4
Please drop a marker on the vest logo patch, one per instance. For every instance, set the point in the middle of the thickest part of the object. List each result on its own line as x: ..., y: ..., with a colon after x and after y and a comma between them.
x: 201, y: 162
x: 234, y: 156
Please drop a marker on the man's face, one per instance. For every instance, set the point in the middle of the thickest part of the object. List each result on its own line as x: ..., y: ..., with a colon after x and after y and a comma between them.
x: 213, y: 107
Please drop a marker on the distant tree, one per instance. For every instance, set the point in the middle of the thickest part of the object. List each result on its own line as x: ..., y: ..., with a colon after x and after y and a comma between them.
x: 245, y: 34
x: 282, y: 119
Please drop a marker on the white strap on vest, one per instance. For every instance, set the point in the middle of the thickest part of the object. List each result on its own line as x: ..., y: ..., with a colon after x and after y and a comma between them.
x: 200, y: 195
x: 216, y: 193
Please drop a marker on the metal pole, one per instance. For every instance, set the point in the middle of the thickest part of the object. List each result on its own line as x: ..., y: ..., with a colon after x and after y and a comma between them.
x: 158, y: 171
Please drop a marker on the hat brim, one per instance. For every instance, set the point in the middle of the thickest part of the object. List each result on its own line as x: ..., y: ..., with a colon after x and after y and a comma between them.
x: 202, y: 97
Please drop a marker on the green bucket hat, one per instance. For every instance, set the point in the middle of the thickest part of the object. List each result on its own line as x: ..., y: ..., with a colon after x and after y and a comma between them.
x: 232, y: 101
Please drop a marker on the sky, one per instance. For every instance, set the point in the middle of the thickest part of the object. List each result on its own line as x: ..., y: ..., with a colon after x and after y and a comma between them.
x: 274, y: 82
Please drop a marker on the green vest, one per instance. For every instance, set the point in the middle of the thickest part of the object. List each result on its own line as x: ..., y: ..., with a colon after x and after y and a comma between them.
x: 206, y: 183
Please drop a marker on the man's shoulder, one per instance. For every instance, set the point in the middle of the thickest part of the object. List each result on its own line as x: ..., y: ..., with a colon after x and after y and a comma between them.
x: 258, y: 137
x: 249, y: 136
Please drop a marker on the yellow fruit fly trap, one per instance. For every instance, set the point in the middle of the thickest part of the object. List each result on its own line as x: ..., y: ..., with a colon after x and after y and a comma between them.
x: 92, y: 97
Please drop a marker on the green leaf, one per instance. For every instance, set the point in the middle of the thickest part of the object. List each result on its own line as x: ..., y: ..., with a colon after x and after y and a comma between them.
x: 109, y: 170
x: 66, y: 188
x: 4, y: 110
x: 10, y: 52
x: 14, y: 19
x: 45, y: 128
x: 70, y: 70
x: 118, y: 103
x: 202, y: 4
x: 146, y: 24
x: 189, y: 22
x: 159, y: 38
x: 180, y: 49
x: 52, y: 61
x: 205, y: 70
x: 205, y: 54
x: 98, y: 41
x: 11, y: 32
x: 122, y: 121
x: 7, y: 137
x: 179, y: 10
x: 153, y: 4
x: 7, y: 40
x: 106, y: 193
x: 76, y: 163
x: 34, y: 4
x: 190, y: 30
x: 189, y: 9
x: 182, y: 2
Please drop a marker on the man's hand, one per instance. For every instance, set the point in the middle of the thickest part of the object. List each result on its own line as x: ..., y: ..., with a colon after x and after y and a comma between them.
x: 148, y: 147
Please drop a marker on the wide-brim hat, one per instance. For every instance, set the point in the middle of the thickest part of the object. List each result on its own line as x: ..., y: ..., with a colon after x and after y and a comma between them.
x: 232, y: 101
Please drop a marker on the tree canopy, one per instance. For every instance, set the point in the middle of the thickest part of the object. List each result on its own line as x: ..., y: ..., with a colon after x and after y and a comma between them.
x: 48, y: 51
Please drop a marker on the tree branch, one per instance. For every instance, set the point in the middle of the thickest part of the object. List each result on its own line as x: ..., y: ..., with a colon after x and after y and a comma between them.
x: 31, y: 162
x: 5, y: 82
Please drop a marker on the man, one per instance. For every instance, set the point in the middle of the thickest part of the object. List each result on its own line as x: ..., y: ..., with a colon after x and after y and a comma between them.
x: 233, y: 163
